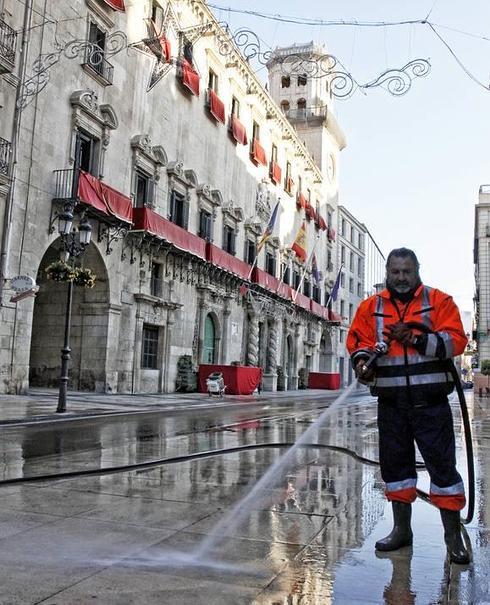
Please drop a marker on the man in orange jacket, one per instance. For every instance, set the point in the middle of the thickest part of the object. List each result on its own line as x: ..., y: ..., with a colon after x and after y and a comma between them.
x: 412, y: 382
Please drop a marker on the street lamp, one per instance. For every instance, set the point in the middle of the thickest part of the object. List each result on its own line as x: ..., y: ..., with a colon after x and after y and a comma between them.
x: 73, y: 245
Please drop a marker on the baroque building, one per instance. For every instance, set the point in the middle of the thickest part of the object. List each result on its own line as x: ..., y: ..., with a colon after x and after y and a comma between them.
x: 145, y: 118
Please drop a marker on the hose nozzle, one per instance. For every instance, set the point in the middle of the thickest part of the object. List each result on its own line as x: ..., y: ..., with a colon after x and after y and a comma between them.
x: 380, y: 348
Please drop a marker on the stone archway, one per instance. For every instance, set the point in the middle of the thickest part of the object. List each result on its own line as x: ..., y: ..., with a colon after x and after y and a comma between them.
x: 326, y: 357
x: 89, y: 327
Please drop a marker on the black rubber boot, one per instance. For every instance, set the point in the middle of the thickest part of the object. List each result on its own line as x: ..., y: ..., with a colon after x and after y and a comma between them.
x: 401, y: 534
x: 453, y: 538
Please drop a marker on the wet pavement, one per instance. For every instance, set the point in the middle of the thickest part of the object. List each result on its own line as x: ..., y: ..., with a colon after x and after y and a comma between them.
x: 137, y: 536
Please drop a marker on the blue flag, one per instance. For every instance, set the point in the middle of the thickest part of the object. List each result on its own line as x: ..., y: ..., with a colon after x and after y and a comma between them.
x: 336, y: 286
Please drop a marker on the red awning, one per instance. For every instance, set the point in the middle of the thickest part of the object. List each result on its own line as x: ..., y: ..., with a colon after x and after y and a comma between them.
x: 238, y: 131
x: 276, y: 173
x: 258, y: 154
x: 331, y: 234
x: 153, y: 223
x: 117, y: 5
x: 289, y: 186
x: 301, y: 300
x: 107, y: 200
x: 190, y: 77
x: 227, y: 261
x: 322, y: 224
x: 216, y: 106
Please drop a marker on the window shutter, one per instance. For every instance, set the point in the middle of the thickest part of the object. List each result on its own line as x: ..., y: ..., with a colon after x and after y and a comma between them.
x: 186, y: 204
x: 150, y: 197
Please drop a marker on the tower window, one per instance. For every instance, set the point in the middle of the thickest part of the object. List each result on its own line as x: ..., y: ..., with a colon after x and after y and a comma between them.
x: 302, y: 79
x: 285, y: 82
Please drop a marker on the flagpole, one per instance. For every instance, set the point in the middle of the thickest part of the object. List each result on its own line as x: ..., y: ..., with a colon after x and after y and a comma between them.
x: 253, y: 266
x: 330, y: 296
x: 305, y: 269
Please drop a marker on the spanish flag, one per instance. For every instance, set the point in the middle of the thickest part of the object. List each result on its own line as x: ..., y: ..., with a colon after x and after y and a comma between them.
x: 299, y: 245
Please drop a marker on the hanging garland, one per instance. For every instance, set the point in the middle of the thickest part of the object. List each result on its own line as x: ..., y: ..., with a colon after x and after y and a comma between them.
x: 61, y: 271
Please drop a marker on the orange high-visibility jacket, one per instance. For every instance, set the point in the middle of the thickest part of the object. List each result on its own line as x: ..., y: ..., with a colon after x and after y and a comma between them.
x: 419, y: 373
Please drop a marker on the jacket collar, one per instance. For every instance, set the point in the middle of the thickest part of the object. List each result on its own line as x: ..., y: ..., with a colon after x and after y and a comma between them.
x: 386, y: 293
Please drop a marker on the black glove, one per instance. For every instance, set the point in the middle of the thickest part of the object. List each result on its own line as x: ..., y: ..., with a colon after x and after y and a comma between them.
x: 364, y: 375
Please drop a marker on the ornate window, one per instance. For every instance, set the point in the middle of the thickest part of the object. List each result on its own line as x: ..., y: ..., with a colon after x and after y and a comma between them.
x: 147, y: 161
x: 91, y: 125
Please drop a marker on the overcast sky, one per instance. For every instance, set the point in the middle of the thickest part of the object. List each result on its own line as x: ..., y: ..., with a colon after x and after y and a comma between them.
x: 413, y: 164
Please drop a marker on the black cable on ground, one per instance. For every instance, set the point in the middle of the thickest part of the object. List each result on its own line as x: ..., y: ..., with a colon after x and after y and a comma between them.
x: 186, y: 458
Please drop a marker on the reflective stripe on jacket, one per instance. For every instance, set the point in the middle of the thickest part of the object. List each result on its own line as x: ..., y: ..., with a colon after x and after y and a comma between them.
x: 404, y: 372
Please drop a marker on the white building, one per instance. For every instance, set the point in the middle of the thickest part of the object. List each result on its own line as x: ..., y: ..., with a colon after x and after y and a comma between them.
x: 150, y: 124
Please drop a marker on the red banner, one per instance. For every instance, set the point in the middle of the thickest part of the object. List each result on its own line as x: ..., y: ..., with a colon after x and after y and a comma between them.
x: 190, y: 78
x: 276, y: 173
x: 258, y: 153
x: 107, y: 200
x: 301, y: 201
x: 150, y: 221
x: 238, y: 131
x: 117, y: 5
x: 216, y: 106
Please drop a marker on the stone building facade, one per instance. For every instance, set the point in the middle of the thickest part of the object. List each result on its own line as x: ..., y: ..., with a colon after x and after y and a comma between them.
x: 144, y: 117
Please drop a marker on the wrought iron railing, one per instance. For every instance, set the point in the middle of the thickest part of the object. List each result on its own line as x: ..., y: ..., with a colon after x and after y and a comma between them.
x: 4, y: 156
x: 8, y: 37
x: 95, y: 60
x: 66, y: 183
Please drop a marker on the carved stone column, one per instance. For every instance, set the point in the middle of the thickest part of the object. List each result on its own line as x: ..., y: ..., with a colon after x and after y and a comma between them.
x: 269, y: 382
x: 293, y: 379
x: 253, y: 340
x: 225, y: 334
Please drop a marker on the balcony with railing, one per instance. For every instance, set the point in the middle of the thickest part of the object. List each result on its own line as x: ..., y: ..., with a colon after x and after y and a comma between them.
x: 4, y: 157
x: 302, y: 114
x: 97, y: 65
x: 8, y: 38
x: 77, y: 187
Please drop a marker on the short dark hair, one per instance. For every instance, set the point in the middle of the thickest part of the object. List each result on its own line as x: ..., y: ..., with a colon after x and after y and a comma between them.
x: 403, y: 253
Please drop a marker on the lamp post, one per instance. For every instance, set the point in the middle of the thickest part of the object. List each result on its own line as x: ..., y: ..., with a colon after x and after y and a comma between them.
x: 74, y: 245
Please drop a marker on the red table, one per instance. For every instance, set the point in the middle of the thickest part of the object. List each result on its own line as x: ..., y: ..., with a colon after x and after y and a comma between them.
x: 324, y: 380
x: 239, y: 380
